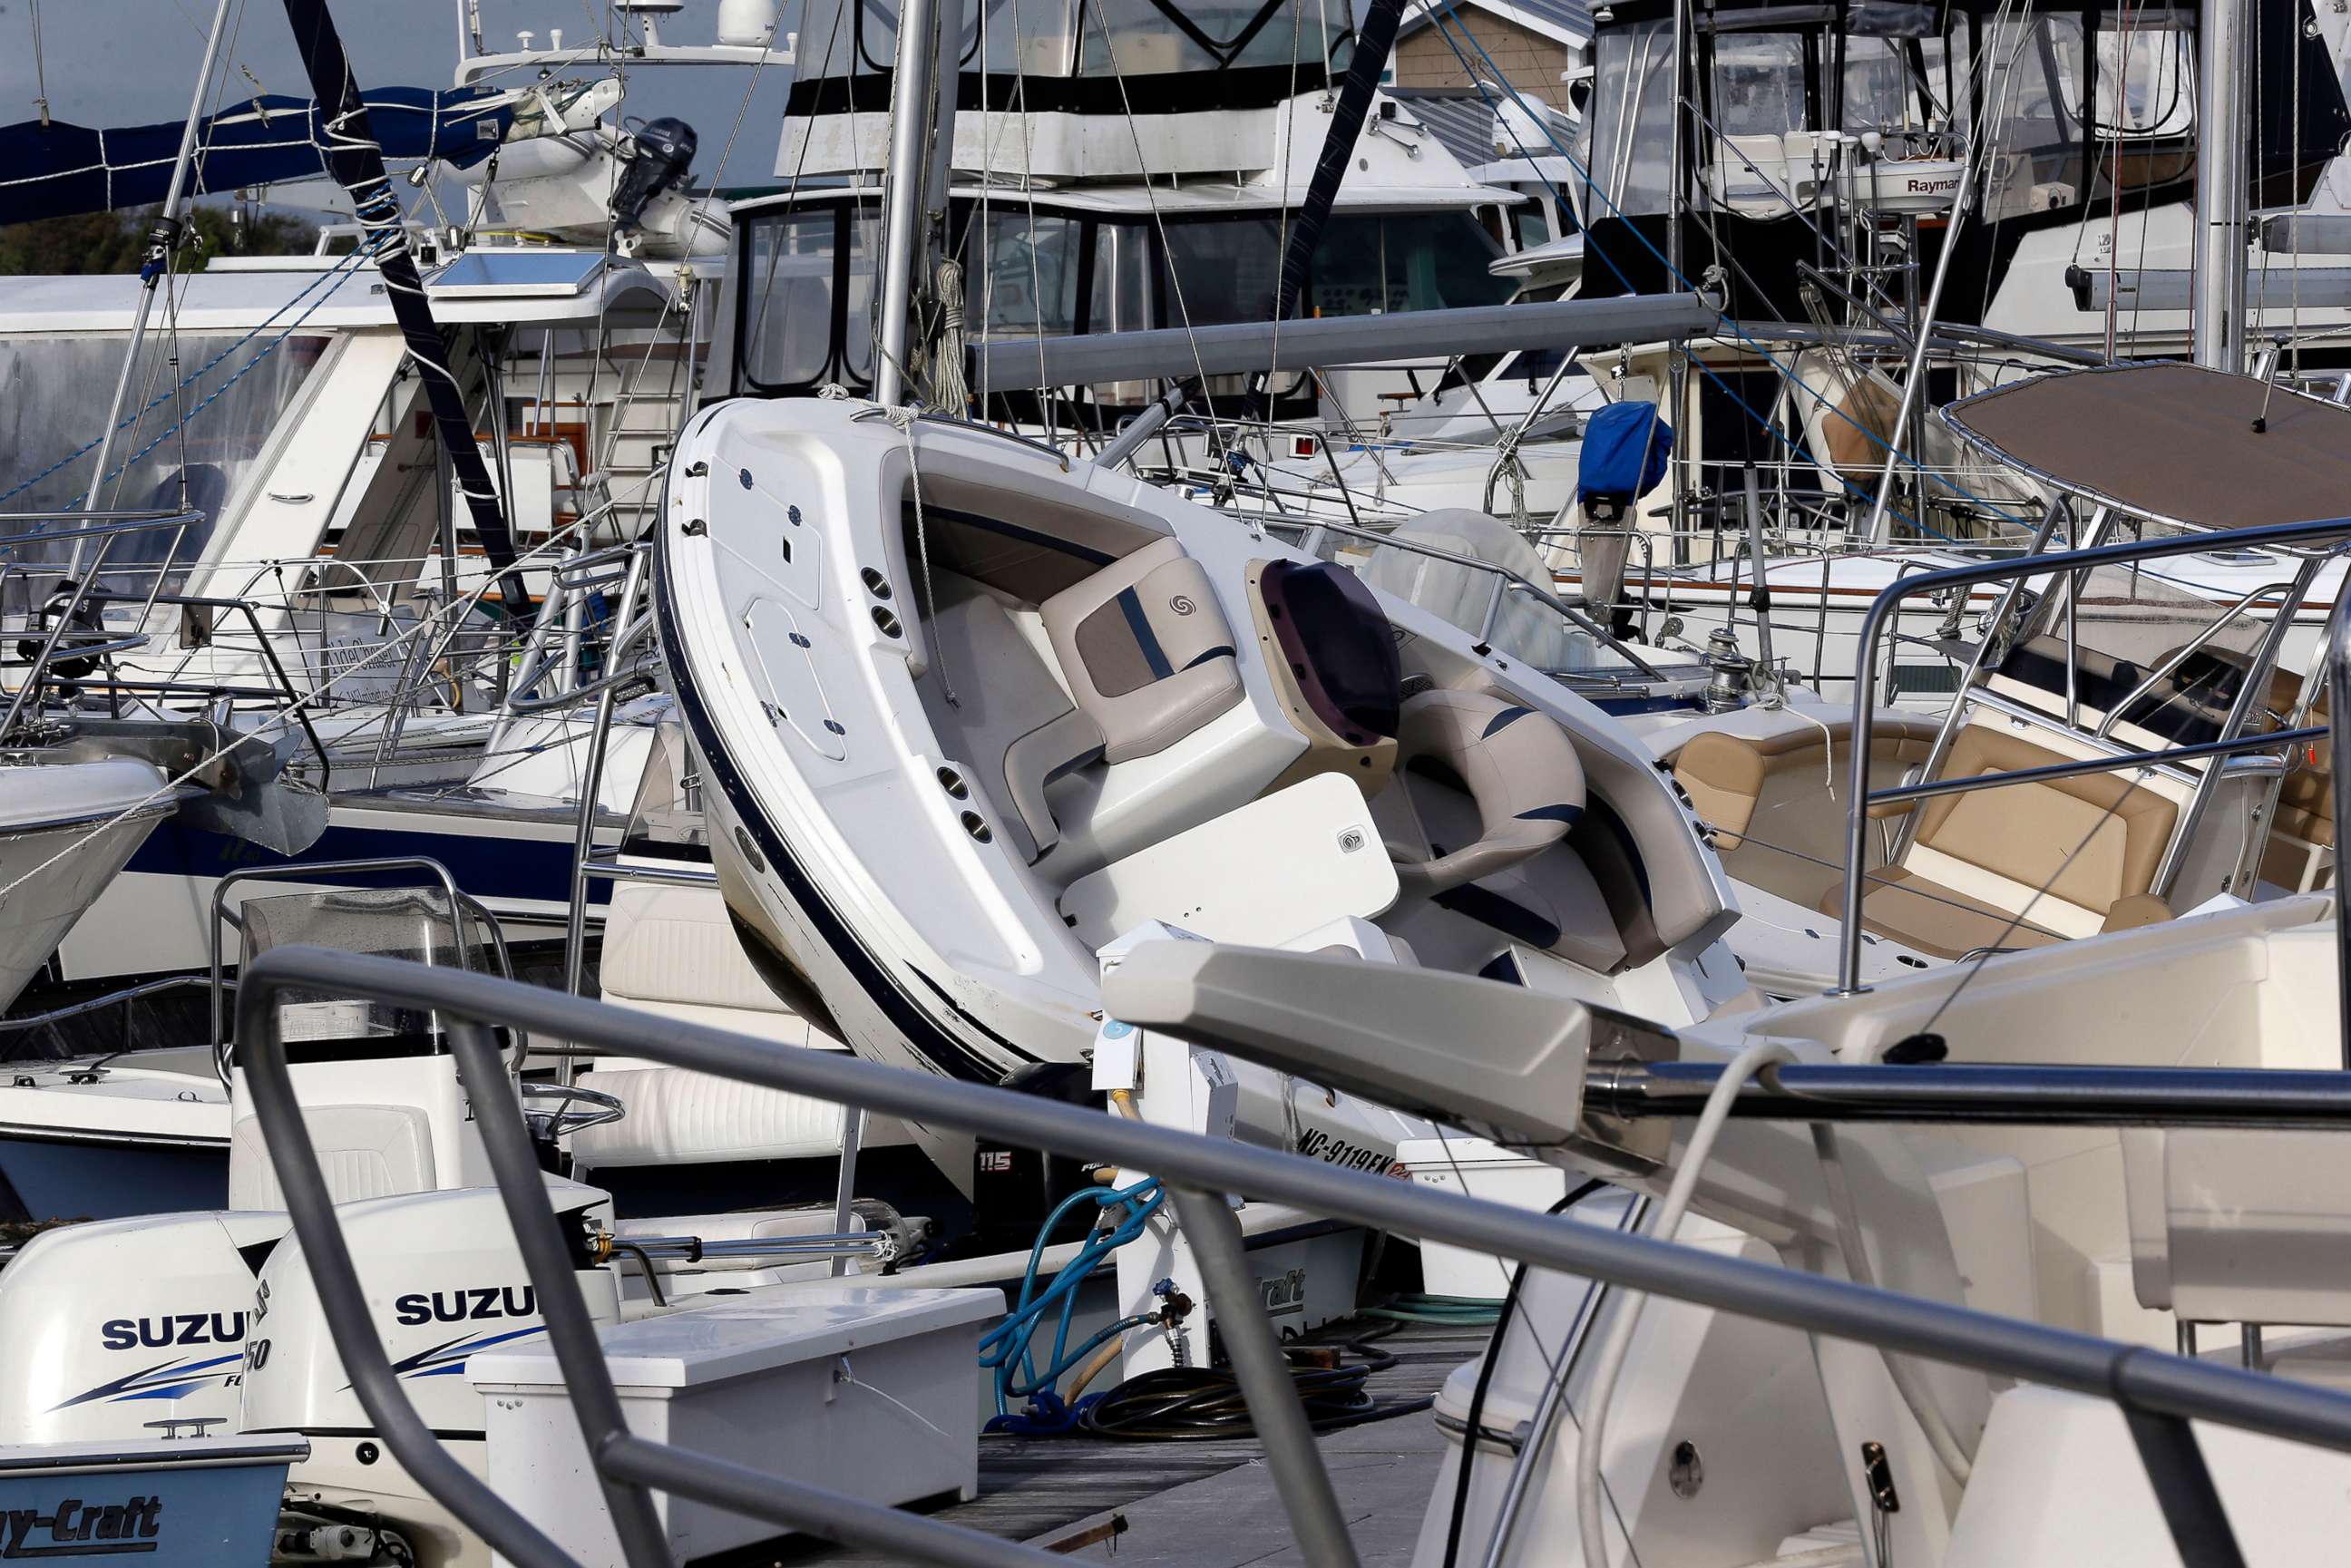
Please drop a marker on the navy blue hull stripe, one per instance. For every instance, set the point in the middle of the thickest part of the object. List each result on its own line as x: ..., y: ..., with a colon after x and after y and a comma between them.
x: 492, y: 868
x: 906, y: 1013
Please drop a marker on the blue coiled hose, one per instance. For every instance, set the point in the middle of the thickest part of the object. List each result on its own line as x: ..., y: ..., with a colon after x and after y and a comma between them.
x: 1007, y: 1349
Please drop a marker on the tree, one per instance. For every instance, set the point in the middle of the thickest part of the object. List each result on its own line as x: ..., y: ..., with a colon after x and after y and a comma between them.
x: 87, y: 243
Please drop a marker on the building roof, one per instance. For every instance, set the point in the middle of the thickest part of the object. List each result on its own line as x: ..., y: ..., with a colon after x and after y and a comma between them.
x: 1561, y: 21
x: 1461, y: 120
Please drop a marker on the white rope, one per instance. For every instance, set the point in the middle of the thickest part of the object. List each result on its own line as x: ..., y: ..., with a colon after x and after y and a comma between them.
x: 948, y: 390
x: 903, y: 420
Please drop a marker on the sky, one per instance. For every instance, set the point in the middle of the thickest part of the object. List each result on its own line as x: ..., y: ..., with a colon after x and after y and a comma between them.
x: 134, y: 62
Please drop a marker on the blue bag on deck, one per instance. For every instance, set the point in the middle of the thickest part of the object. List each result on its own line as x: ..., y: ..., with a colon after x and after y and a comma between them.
x: 1625, y: 448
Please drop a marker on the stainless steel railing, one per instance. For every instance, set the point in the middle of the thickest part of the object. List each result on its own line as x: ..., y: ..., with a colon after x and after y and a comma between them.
x: 2158, y: 1394
x: 1888, y: 604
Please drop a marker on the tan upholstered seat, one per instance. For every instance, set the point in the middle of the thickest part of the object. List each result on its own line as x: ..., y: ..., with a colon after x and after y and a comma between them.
x: 1775, y: 799
x: 2095, y: 841
x: 1148, y: 654
x: 1727, y: 777
x: 2305, y: 823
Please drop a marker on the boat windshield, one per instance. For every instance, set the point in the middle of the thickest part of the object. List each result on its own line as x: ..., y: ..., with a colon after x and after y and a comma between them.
x: 803, y: 313
x: 2139, y: 85
x: 1095, y: 57
x: 1626, y: 136
x: 54, y: 390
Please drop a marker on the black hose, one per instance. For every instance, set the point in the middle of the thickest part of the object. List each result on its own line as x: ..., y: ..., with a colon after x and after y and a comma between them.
x: 1476, y: 1412
x: 1194, y: 1404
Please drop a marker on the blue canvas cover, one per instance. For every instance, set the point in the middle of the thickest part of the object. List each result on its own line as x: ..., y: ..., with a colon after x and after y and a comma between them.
x: 59, y: 169
x: 1625, y: 448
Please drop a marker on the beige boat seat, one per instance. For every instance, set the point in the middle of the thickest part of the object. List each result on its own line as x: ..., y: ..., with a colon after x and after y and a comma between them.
x: 2107, y: 835
x: 1145, y: 649
x: 1729, y: 777
x: 364, y: 1151
x: 2301, y: 833
x: 1517, y: 765
x: 1774, y: 800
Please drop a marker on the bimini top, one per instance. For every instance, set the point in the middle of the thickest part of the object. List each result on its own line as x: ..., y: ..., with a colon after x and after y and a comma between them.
x: 2170, y: 442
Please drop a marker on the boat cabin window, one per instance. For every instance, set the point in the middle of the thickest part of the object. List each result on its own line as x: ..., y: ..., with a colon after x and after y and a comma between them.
x: 1025, y: 283
x: 54, y: 390
x: 2052, y: 91
x: 805, y: 312
x: 802, y: 311
x: 1153, y: 55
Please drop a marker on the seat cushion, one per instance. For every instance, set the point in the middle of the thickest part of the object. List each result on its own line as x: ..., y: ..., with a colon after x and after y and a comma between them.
x: 364, y: 1151
x: 1933, y: 918
x: 1146, y: 650
x: 677, y: 1117
x: 2091, y: 840
x: 1010, y: 717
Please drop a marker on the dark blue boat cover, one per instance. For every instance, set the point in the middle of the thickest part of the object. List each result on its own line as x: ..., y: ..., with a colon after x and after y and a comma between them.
x: 51, y: 171
x: 1626, y: 446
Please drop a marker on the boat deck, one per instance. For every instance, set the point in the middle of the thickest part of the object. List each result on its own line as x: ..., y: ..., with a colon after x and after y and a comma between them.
x: 1211, y: 1503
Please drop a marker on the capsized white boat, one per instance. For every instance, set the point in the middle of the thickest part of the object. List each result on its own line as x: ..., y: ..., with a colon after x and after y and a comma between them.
x: 968, y: 714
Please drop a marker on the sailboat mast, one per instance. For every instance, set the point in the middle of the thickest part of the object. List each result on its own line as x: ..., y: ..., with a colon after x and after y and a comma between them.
x: 923, y: 114
x: 166, y: 237
x: 2223, y: 50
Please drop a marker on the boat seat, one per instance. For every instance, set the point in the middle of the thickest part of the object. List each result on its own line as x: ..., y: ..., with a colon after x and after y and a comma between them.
x: 364, y: 1151
x: 1517, y: 765
x: 1774, y: 799
x: 2228, y: 1226
x: 744, y: 1224
x: 1011, y: 718
x: 1730, y: 777
x: 1146, y: 651
x: 1981, y: 857
x: 677, y: 944
x: 2304, y: 828
x: 681, y: 1117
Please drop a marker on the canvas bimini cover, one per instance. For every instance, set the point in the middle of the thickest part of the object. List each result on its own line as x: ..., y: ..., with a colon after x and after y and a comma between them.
x: 57, y: 169
x: 2174, y: 443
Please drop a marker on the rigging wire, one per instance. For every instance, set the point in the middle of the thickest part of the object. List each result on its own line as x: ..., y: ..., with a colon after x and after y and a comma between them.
x: 1151, y: 199
x: 1735, y: 330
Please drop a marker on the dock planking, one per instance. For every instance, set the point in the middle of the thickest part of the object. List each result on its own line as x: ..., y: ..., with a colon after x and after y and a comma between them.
x: 1044, y: 1489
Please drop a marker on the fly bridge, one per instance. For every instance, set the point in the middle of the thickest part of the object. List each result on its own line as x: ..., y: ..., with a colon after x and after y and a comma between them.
x: 2141, y: 736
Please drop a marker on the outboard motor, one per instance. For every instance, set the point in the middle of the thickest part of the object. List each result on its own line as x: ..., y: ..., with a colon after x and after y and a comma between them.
x: 1625, y: 448
x: 444, y: 1278
x: 662, y: 153
x: 130, y: 1328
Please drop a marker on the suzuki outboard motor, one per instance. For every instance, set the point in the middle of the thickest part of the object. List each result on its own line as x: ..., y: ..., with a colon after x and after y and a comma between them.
x: 134, y: 1327
x: 445, y: 1279
x: 663, y: 153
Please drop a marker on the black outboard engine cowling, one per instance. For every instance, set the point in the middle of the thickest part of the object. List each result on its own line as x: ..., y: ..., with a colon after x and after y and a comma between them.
x: 663, y: 153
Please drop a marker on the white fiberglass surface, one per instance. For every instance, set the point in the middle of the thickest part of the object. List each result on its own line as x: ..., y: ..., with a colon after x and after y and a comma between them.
x: 864, y: 812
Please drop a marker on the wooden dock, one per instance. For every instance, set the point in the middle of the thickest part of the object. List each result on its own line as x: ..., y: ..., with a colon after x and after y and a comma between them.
x: 1211, y: 1503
